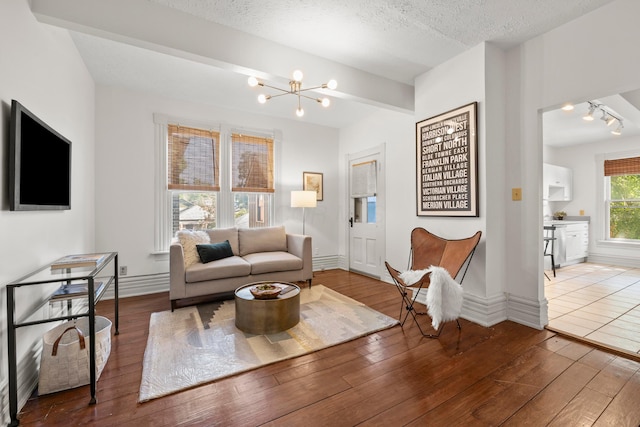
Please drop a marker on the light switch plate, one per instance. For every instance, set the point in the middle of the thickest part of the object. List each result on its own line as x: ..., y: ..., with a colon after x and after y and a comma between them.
x: 516, y: 194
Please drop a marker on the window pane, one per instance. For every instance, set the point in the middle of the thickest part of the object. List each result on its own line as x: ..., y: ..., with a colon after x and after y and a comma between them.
x: 194, y: 211
x: 252, y: 209
x: 252, y: 163
x: 624, y: 187
x: 364, y: 210
x: 193, y: 159
x: 371, y: 210
x: 625, y: 220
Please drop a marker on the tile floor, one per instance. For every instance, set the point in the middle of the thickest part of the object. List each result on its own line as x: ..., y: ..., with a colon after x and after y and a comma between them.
x: 596, y: 302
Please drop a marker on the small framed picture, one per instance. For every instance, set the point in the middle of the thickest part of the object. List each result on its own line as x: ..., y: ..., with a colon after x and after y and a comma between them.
x: 312, y: 181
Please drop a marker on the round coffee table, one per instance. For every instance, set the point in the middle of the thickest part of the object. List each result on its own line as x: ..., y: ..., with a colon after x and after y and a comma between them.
x: 267, y: 316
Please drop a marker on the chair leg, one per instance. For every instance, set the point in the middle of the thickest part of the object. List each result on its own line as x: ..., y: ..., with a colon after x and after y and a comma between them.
x: 407, y: 305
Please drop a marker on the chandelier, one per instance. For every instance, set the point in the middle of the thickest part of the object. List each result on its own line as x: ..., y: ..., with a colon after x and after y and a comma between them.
x: 295, y: 88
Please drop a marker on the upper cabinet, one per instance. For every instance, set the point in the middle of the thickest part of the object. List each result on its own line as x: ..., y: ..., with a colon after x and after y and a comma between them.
x: 557, y: 182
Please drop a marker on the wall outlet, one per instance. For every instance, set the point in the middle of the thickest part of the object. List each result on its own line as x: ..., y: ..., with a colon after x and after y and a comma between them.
x: 316, y: 251
x: 123, y: 270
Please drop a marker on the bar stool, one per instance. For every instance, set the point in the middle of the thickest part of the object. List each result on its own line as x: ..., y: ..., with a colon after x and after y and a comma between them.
x: 549, y: 240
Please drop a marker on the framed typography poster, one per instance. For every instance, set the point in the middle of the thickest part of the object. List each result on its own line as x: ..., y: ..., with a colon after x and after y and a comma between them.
x: 447, y: 164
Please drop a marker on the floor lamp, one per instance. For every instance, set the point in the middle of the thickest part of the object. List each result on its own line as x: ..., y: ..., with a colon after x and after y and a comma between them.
x: 303, y: 199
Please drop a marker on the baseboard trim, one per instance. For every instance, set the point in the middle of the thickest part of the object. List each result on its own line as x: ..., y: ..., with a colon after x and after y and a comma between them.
x: 322, y: 263
x: 27, y: 378
x: 4, y: 402
x: 131, y: 286
x: 528, y: 312
x: 623, y: 261
x: 483, y: 311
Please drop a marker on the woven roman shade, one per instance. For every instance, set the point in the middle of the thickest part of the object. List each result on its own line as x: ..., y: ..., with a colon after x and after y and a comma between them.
x: 628, y: 166
x: 194, y: 162
x: 363, y: 179
x: 252, y: 163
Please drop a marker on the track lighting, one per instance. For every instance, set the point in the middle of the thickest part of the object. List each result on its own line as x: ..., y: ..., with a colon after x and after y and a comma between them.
x: 607, y: 116
x: 618, y: 130
x: 295, y: 88
x: 589, y: 116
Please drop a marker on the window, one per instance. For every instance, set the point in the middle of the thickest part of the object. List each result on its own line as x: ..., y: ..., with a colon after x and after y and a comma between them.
x: 252, y: 179
x: 193, y: 176
x: 622, y: 186
x: 210, y: 179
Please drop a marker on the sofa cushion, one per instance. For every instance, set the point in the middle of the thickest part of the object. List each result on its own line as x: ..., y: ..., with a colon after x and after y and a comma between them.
x: 268, y: 239
x: 221, y: 269
x: 218, y: 235
x: 268, y: 262
x: 214, y: 251
x: 189, y: 239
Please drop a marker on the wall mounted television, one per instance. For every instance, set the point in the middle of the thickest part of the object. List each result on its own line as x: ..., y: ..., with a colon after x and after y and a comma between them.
x: 39, y: 164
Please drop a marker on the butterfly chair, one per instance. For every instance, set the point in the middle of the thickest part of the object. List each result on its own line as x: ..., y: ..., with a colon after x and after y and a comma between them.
x: 428, y: 250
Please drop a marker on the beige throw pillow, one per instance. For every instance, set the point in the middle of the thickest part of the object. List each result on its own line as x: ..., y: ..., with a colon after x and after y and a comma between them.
x: 189, y: 240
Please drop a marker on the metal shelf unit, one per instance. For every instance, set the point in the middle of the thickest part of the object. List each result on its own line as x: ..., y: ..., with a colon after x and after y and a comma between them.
x: 35, y: 314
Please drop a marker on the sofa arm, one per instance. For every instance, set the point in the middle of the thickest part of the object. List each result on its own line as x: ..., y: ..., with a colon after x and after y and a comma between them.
x: 177, y: 283
x: 300, y: 246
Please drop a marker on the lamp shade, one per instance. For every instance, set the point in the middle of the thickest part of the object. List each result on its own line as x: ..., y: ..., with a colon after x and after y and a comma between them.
x: 303, y: 199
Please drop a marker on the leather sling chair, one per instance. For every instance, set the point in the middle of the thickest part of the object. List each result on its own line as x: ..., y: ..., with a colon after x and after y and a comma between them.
x: 427, y: 249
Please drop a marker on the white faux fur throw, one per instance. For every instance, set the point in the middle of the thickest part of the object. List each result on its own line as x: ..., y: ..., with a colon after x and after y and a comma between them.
x: 444, y: 295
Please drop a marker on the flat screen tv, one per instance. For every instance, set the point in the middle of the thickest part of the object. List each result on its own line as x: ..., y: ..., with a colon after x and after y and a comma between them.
x: 39, y: 164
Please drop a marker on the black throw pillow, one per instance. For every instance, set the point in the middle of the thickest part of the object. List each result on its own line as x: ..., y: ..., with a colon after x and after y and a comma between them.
x: 214, y: 251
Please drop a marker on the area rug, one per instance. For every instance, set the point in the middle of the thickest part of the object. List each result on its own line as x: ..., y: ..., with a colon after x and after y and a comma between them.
x: 200, y: 344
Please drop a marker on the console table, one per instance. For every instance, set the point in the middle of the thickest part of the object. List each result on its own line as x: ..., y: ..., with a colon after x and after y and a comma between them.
x: 98, y: 279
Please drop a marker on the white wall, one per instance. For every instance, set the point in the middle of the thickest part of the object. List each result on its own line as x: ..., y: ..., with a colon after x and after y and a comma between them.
x: 458, y: 82
x: 41, y: 68
x: 396, y: 131
x: 125, y: 172
x: 571, y: 63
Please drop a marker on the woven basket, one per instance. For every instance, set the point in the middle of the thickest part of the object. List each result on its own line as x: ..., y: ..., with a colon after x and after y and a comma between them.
x: 65, y: 354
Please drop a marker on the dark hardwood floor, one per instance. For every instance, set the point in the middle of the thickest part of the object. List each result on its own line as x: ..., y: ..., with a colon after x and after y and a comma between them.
x: 508, y: 374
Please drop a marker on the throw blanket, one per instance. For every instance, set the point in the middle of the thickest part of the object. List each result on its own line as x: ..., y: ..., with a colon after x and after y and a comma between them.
x: 444, y: 295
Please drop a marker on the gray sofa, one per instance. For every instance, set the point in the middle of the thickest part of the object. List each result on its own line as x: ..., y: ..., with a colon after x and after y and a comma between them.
x: 255, y: 254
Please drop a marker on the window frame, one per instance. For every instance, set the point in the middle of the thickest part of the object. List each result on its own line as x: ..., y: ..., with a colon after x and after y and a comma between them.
x: 603, y: 195
x: 163, y: 215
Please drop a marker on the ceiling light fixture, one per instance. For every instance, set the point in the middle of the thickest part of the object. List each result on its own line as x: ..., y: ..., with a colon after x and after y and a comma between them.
x: 589, y: 116
x: 618, y: 130
x: 567, y: 107
x: 295, y: 88
x: 607, y: 116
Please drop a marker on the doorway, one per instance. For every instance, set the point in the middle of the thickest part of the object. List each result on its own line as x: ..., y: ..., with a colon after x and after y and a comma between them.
x: 366, y: 230
x: 595, y: 302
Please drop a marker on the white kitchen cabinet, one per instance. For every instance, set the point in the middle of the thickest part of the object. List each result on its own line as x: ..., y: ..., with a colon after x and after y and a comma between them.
x: 577, y: 242
x: 572, y: 242
x: 557, y: 182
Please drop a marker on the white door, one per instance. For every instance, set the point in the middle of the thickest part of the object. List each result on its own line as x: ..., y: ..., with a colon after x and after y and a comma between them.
x: 366, y: 213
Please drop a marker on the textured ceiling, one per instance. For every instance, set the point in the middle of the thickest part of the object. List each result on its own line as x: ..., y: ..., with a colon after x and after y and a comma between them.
x: 376, y: 47
x: 397, y: 39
